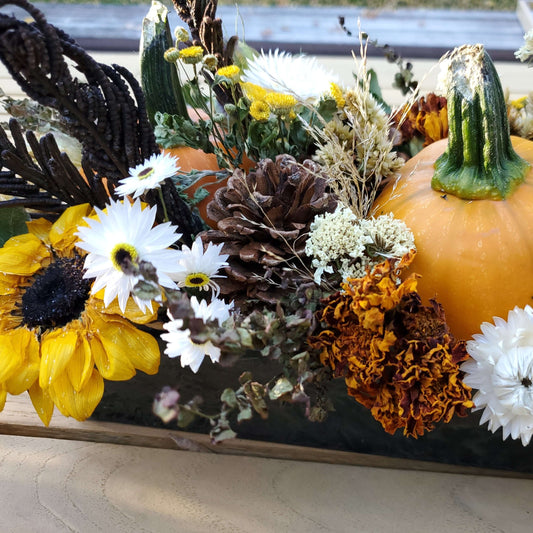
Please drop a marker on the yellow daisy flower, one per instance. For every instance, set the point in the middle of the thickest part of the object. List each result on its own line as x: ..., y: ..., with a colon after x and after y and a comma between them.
x: 57, y: 341
x: 260, y: 110
x: 232, y: 72
x: 253, y: 92
x: 280, y: 104
x: 192, y: 55
x: 171, y: 55
x: 336, y: 93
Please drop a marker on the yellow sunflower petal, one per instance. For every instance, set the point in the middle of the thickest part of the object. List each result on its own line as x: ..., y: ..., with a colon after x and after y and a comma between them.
x: 62, y: 234
x: 125, y: 348
x: 80, y: 367
x: 3, y: 396
x: 57, y: 348
x: 23, y: 255
x: 42, y: 403
x: 10, y: 359
x: 27, y: 375
x: 79, y: 405
x: 40, y: 228
x: 112, y: 362
x: 10, y: 284
x: 132, y: 311
x: 18, y: 347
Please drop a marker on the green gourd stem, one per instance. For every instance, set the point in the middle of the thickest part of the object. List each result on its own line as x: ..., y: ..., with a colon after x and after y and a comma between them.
x: 479, y: 162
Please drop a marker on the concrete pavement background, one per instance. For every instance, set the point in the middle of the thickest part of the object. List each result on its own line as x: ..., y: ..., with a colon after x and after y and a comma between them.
x: 426, y: 33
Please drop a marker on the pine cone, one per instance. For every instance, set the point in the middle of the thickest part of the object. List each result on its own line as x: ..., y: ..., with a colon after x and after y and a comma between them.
x: 262, y: 219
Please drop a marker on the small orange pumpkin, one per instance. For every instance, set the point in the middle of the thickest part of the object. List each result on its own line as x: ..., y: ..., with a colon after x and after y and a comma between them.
x: 195, y: 159
x: 474, y: 252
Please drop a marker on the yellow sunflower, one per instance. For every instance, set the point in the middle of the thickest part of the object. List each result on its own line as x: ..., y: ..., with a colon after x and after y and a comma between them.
x: 57, y: 341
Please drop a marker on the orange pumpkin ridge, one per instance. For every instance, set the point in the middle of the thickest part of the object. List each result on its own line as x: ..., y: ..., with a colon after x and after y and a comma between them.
x: 476, y: 256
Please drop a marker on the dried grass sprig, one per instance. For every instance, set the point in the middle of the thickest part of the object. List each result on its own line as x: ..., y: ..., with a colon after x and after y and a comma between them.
x: 355, y: 149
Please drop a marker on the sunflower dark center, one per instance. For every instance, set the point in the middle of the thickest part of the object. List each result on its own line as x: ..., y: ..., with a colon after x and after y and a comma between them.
x: 56, y: 296
x: 526, y: 382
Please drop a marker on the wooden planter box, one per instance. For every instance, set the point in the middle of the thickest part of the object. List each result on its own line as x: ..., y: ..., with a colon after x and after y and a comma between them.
x: 350, y: 436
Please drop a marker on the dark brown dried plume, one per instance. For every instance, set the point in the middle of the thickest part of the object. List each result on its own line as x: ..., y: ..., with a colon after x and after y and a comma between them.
x: 48, y: 181
x: 205, y: 28
x: 206, y: 31
x: 99, y: 112
x: 105, y: 112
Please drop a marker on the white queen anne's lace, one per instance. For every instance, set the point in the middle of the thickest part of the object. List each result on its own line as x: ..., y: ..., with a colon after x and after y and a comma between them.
x: 341, y: 241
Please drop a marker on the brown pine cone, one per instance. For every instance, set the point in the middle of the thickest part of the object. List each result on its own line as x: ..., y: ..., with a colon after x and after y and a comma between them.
x: 263, y: 219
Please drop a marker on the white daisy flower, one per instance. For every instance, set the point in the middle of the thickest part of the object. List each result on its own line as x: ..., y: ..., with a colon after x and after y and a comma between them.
x: 148, y: 175
x: 217, y: 309
x: 501, y: 369
x: 125, y: 232
x: 179, y: 342
x: 196, y: 268
x: 280, y: 72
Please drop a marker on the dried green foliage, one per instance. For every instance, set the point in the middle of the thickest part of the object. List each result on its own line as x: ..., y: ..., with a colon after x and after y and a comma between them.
x: 279, y: 335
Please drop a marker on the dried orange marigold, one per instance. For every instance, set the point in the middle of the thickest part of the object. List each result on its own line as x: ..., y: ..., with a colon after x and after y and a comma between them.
x: 396, y: 355
x: 426, y: 118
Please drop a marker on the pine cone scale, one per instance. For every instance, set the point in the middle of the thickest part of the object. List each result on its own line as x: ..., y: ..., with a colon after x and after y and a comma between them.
x: 263, y: 219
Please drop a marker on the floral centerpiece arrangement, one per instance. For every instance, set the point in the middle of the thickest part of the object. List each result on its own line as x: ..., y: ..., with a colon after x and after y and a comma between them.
x: 237, y: 204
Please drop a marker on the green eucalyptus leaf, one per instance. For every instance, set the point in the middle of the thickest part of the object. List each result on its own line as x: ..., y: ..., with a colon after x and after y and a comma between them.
x: 225, y: 434
x: 185, y: 418
x: 229, y: 397
x: 282, y: 386
x: 12, y: 222
x: 245, y: 414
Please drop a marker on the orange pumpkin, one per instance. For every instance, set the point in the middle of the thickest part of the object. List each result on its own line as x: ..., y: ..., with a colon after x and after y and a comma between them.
x: 195, y: 159
x: 475, y: 256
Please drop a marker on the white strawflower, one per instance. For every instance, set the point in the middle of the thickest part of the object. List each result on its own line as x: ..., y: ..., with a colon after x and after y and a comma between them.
x: 197, y: 268
x: 525, y: 52
x: 148, y: 175
x: 121, y: 234
x: 179, y: 342
x: 280, y: 72
x: 217, y: 309
x: 501, y: 369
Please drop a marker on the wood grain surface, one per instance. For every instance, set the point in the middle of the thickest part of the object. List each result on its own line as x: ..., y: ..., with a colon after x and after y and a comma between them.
x: 54, y: 486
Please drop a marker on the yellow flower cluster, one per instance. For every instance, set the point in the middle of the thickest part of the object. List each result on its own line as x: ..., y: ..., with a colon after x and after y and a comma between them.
x: 338, y: 95
x: 191, y: 55
x: 265, y: 103
x: 259, y: 110
x: 232, y: 72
